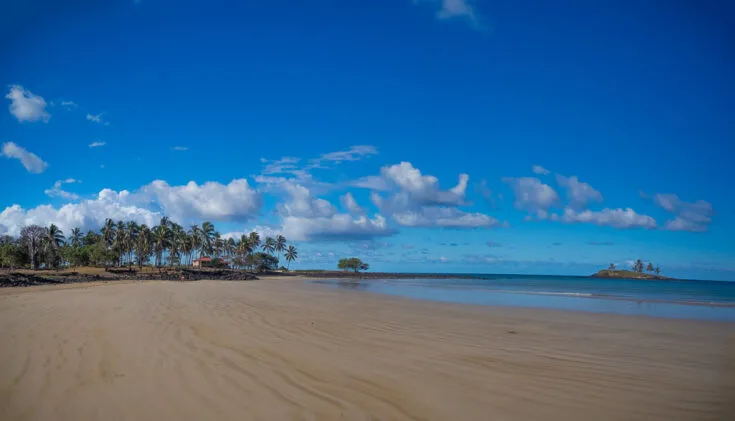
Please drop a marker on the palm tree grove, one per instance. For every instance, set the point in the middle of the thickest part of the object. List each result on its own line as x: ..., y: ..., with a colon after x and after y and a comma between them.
x: 128, y: 244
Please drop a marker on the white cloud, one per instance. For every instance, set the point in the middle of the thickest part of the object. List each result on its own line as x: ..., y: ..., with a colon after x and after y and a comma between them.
x: 58, y: 191
x: 26, y: 106
x: 31, y: 162
x: 354, y: 153
x: 531, y: 194
x: 335, y: 227
x: 211, y: 200
x: 445, y: 217
x: 69, y: 105
x: 538, y: 169
x: 418, y: 200
x: 373, y: 182
x: 276, y: 173
x: 349, y: 202
x: 690, y: 216
x: 262, y: 230
x: 97, y: 119
x: 190, y: 202
x: 97, y: 144
x: 180, y: 148
x: 616, y: 218
x: 417, y: 188
x: 306, y: 218
x: 88, y: 214
x: 578, y: 193
x: 457, y: 8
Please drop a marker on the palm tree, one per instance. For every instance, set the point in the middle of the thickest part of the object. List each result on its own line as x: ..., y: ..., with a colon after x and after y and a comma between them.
x: 269, y: 245
x: 280, y: 245
x: 254, y: 240
x: 119, y: 241
x: 76, y: 237
x: 612, y: 266
x: 291, y: 255
x: 208, y: 236
x: 195, y: 237
x: 649, y: 268
x: 53, y: 241
x: 229, y: 247
x: 657, y: 270
x: 243, y: 247
x: 132, y: 231
x: 55, y: 236
x: 160, y: 242
x: 108, y: 232
x: 143, y: 245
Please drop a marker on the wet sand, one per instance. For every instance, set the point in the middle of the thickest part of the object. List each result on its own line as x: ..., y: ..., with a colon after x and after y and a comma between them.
x: 284, y: 350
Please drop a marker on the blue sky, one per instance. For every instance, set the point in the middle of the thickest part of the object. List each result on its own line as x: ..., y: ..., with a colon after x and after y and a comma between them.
x: 426, y: 135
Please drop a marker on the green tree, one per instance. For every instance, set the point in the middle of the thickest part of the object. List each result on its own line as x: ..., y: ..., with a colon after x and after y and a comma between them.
x: 657, y: 270
x: 76, y: 237
x: 638, y: 266
x: 352, y: 263
x: 649, y: 268
x: 269, y: 245
x: 263, y: 262
x: 611, y: 267
x: 280, y: 245
x: 291, y: 255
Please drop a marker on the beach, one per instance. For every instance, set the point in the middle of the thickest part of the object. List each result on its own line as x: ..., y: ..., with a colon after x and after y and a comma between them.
x: 284, y: 349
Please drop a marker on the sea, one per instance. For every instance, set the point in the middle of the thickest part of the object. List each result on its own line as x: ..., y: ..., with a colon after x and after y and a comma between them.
x: 682, y: 299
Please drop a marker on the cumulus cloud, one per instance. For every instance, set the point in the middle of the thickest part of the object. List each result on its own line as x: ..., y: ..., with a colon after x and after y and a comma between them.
x: 445, y: 217
x: 235, y: 201
x: 58, y: 191
x: 307, y: 218
x: 616, y: 218
x: 532, y: 195
x: 538, y: 169
x: 418, y: 201
x: 26, y: 106
x: 88, y: 214
x: 690, y: 216
x: 578, y: 193
x: 31, y: 162
x: 349, y: 202
x: 97, y: 144
x: 211, y: 200
x: 335, y: 227
x: 262, y: 230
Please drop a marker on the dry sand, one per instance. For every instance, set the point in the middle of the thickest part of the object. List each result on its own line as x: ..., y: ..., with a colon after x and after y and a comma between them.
x: 284, y: 350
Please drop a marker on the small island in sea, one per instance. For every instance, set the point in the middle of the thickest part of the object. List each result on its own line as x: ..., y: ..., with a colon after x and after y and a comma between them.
x: 627, y: 274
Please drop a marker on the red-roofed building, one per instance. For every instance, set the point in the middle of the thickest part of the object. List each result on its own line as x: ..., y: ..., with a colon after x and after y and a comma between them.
x: 202, y: 261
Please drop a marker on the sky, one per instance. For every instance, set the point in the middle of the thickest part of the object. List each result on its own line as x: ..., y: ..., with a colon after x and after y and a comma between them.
x: 419, y: 135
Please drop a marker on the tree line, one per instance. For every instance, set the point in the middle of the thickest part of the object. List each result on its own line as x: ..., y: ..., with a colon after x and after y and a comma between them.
x: 638, y: 267
x: 128, y: 243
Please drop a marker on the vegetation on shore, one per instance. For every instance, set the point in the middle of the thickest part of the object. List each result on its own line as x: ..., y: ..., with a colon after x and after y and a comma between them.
x: 128, y: 243
x: 637, y: 272
x: 352, y: 263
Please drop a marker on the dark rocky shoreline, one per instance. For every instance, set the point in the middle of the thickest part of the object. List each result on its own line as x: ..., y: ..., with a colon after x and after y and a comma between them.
x: 20, y: 279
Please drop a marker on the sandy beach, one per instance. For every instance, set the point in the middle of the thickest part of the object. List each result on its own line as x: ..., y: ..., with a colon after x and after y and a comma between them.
x: 278, y: 349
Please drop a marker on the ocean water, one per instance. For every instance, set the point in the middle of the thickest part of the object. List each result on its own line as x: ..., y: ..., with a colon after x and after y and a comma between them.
x: 709, y: 300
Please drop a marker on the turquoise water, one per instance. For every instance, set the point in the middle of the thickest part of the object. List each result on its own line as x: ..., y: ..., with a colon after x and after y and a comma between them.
x: 709, y: 300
